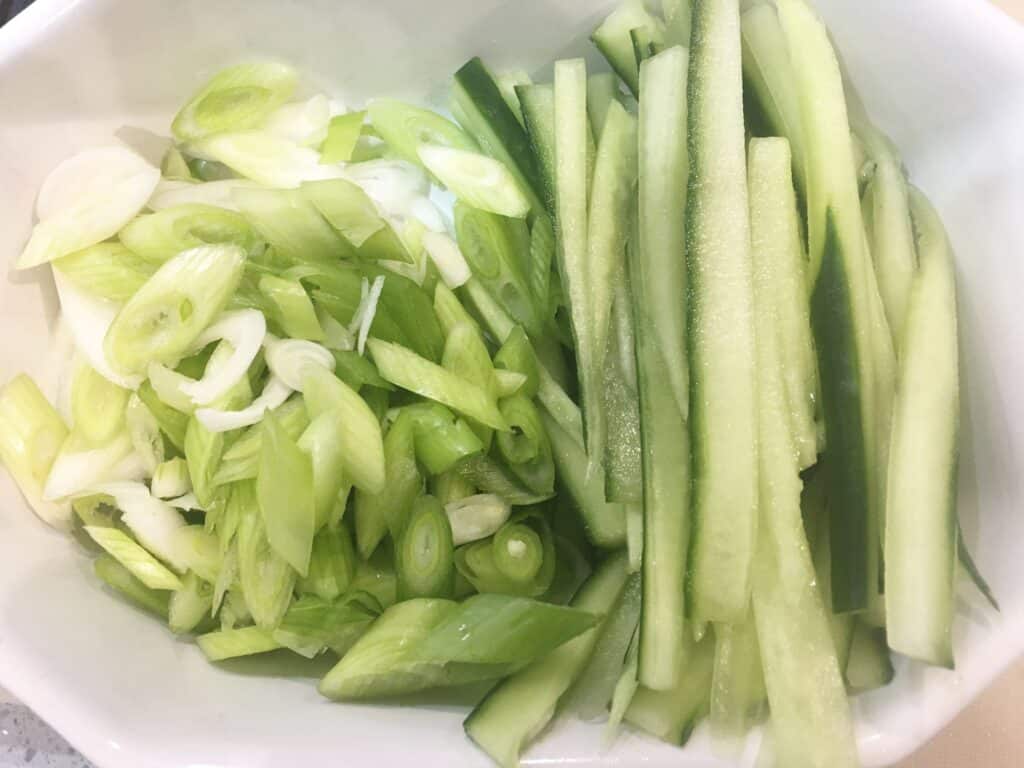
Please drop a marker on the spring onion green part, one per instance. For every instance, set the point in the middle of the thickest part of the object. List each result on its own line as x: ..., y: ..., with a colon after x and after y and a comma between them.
x: 442, y: 439
x: 97, y: 405
x: 476, y: 517
x: 119, y: 578
x: 332, y: 566
x: 343, y: 133
x: 424, y: 553
x: 518, y: 552
x: 106, y: 270
x: 525, y: 447
x: 144, y: 432
x: 407, y: 129
x: 293, y: 309
x: 189, y: 605
x: 233, y: 643
x: 137, y: 560
x: 157, y: 237
x: 476, y: 180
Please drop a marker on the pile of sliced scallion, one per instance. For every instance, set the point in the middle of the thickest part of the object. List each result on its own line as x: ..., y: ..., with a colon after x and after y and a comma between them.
x: 652, y: 423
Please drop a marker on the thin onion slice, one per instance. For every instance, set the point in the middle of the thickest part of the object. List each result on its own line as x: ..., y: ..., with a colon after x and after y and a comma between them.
x: 275, y: 392
x: 288, y: 359
x: 170, y: 387
x: 88, y: 318
x: 244, y: 330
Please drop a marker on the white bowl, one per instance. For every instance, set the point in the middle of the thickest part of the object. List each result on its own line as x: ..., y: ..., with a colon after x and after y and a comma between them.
x: 944, y: 77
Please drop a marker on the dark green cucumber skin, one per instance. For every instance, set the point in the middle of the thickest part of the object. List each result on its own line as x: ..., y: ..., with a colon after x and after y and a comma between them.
x: 478, y: 83
x: 846, y: 452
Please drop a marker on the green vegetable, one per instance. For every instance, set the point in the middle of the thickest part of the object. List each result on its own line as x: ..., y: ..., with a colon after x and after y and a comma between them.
x: 107, y: 270
x: 613, y: 40
x: 293, y: 309
x: 332, y: 565
x: 424, y: 552
x: 342, y: 135
x: 237, y: 97
x: 232, y: 643
x: 407, y: 129
x: 189, y: 605
x: 348, y: 209
x: 737, y: 683
x: 162, y: 320
x: 115, y: 575
x: 97, y: 405
x: 171, y: 479
x: 157, y: 237
x: 313, y: 623
x: 146, y: 568
x: 291, y: 224
x: 516, y: 354
x: 538, y: 105
x: 286, y: 496
x: 442, y: 440
x: 173, y: 423
x: 476, y: 180
x: 525, y: 447
x: 266, y: 578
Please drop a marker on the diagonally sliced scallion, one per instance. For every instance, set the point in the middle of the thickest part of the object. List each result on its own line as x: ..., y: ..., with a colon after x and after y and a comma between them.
x: 476, y: 179
x: 142, y: 565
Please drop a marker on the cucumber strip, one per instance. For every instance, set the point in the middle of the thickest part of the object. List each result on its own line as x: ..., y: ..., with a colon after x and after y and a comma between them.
x: 677, y: 21
x: 538, y: 105
x: 519, y: 707
x: 921, y: 531
x: 605, y: 522
x: 615, y: 171
x: 613, y: 39
x: 973, y: 572
x: 773, y: 202
x: 869, y: 666
x: 507, y: 83
x: 720, y: 325
x: 622, y: 465
x: 643, y: 44
x: 671, y: 715
x: 737, y: 685
x: 658, y: 281
x: 842, y: 314
x: 770, y: 81
x: 482, y: 110
x: 602, y: 90
x: 810, y: 713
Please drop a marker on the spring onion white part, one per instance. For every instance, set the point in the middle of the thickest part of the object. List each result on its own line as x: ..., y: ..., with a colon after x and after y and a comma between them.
x: 142, y: 565
x: 244, y: 330
x: 476, y: 517
x: 144, y: 432
x: 89, y: 198
x: 218, y: 194
x: 343, y: 132
x: 97, y: 405
x: 238, y: 97
x: 407, y: 128
x: 171, y: 479
x: 31, y: 435
x: 186, y: 501
x: 303, y: 122
x: 274, y: 393
x: 291, y: 359
x: 189, y: 605
x: 448, y: 259
x: 477, y: 180
x: 393, y: 185
x: 169, y: 386
x: 367, y: 311
x: 264, y: 158
x: 79, y: 466
x: 428, y: 214
x: 157, y: 237
x: 163, y: 320
x: 336, y: 335
x: 89, y: 318
x: 155, y: 523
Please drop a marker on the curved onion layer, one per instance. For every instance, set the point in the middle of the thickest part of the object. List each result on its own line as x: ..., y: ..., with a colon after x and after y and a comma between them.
x: 288, y: 359
x: 244, y: 330
x: 275, y: 392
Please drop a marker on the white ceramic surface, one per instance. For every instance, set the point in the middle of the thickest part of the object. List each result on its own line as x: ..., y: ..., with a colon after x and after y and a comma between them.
x: 944, y: 77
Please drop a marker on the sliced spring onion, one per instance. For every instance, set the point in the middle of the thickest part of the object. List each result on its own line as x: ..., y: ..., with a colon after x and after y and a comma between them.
x: 424, y: 555
x: 516, y: 355
x: 171, y: 479
x: 165, y: 317
x: 106, y: 270
x: 332, y: 566
x: 264, y: 158
x: 394, y: 185
x: 86, y: 200
x: 367, y: 311
x: 476, y: 179
x: 442, y: 439
x: 137, y: 560
x: 189, y: 605
x: 285, y: 484
x: 97, y: 405
x: 343, y: 132
x: 293, y: 360
x: 78, y: 467
x: 144, y: 432
x: 508, y: 383
x: 293, y: 309
x: 197, y: 548
x: 217, y: 194
x: 312, y: 623
x: 449, y: 310
x: 154, y: 522
x: 233, y: 643
x: 237, y: 97
x: 31, y: 436
x: 408, y: 370
x: 518, y: 552
x: 406, y: 128
x: 157, y: 237
x: 302, y: 122
x: 291, y: 225
x: 116, y: 576
x: 346, y: 207
x: 526, y: 448
x: 174, y: 166
x: 266, y: 577
x: 476, y: 517
x: 172, y: 423
x: 447, y: 257
x: 243, y: 332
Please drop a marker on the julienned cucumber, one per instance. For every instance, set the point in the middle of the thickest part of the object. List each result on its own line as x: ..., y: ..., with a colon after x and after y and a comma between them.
x: 810, y: 714
x: 723, y: 423
x: 482, y: 110
x: 921, y: 528
x: 614, y: 41
x: 538, y: 105
x: 519, y: 707
x: 657, y: 260
x: 841, y: 310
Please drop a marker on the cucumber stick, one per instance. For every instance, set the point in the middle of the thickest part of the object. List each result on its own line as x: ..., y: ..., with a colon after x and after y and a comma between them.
x: 771, y: 183
x: 658, y: 282
x: 737, y: 685
x: 810, y: 714
x: 720, y: 324
x: 614, y: 41
x: 921, y: 529
x: 622, y: 463
x: 520, y: 706
x: 870, y: 665
x: 843, y: 313
x: 538, y: 105
x: 482, y: 110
